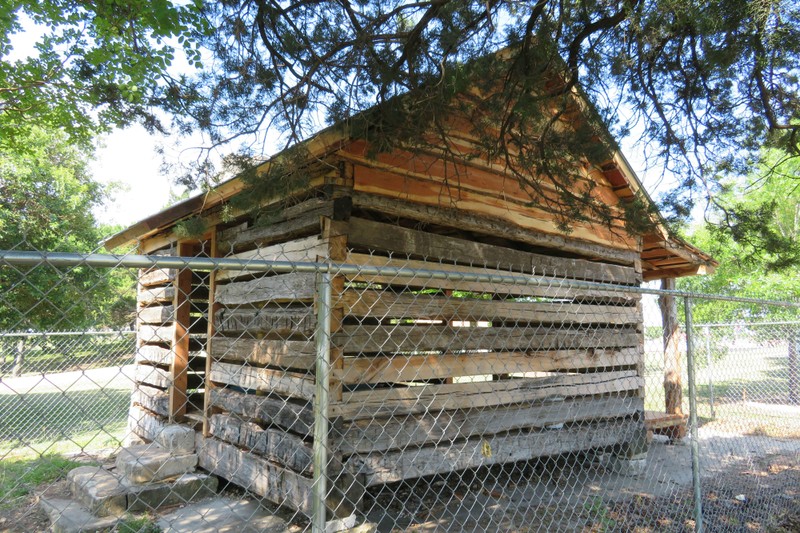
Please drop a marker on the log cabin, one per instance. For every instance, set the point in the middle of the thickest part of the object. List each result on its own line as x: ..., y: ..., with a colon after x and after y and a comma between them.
x: 427, y: 375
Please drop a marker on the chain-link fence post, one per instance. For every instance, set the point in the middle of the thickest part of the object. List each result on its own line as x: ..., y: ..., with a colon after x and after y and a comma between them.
x: 322, y: 336
x: 794, y: 380
x: 698, y: 497
x: 709, y: 370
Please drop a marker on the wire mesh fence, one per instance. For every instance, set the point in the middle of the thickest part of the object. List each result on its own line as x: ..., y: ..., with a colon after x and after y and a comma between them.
x: 395, y: 394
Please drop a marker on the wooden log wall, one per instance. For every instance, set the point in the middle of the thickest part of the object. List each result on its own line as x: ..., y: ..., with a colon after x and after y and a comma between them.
x: 428, y: 375
x: 439, y: 375
x: 260, y: 399
x: 170, y: 357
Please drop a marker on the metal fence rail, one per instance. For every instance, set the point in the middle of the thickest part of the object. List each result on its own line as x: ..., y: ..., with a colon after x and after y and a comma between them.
x: 455, y: 398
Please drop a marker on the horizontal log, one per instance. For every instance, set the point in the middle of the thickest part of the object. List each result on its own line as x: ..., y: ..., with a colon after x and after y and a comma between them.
x: 438, y: 191
x: 263, y: 379
x: 412, y: 463
x: 488, y: 225
x: 442, y: 427
x: 370, y: 235
x: 398, y: 368
x: 159, y: 355
x: 149, y: 334
x: 427, y: 337
x: 151, y: 398
x: 157, y: 314
x: 258, y: 475
x: 420, y: 399
x: 549, y: 288
x: 280, y: 353
x: 144, y: 423
x: 293, y: 221
x: 230, y: 232
x: 153, y: 376
x: 305, y: 249
x: 384, y: 304
x: 270, y: 411
x: 279, y: 446
x: 156, y: 294
x: 271, y: 320
x: 284, y: 287
x: 158, y: 276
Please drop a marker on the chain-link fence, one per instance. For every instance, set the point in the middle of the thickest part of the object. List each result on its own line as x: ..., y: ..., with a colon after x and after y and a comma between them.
x: 396, y: 394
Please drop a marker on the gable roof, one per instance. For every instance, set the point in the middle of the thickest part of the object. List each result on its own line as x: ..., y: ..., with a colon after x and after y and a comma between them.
x: 662, y: 255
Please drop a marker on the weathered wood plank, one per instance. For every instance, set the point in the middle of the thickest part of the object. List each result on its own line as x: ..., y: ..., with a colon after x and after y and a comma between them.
x: 156, y: 295
x: 419, y: 399
x: 156, y: 334
x: 448, y: 192
x: 270, y: 320
x: 383, y: 304
x: 305, y: 249
x: 399, y: 240
x: 398, y: 368
x: 153, y: 376
x: 272, y: 411
x: 374, y: 435
x: 549, y: 289
x: 291, y: 222
x: 280, y: 353
x: 279, y: 485
x: 151, y: 398
x: 148, y: 353
x: 263, y: 379
x: 458, y: 218
x: 417, y: 462
x: 427, y: 337
x: 157, y: 314
x: 279, y: 446
x: 159, y: 276
x: 284, y: 287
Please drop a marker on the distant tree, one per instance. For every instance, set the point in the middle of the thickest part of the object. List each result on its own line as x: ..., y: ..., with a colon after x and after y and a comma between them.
x: 46, y: 201
x: 94, y: 65
x: 753, y: 230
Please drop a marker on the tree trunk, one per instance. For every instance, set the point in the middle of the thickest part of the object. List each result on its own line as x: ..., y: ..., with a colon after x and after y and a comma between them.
x: 19, y: 359
x: 673, y: 393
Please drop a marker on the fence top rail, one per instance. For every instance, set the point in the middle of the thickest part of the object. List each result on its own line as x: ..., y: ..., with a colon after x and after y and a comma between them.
x: 745, y: 323
x: 5, y: 334
x: 64, y: 259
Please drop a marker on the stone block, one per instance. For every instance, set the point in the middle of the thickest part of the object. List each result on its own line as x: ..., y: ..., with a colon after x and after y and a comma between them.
x: 67, y: 516
x: 98, y: 490
x: 186, y: 488
x: 176, y: 439
x: 223, y: 515
x: 629, y: 466
x: 147, y: 463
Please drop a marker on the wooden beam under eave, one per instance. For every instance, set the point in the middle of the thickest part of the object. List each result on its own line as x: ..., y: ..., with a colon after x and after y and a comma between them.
x: 692, y: 270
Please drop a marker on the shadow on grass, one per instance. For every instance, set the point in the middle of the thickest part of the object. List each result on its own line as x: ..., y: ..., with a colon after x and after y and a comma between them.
x: 54, y: 416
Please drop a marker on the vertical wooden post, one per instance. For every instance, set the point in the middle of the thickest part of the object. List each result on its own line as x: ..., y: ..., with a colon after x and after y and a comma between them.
x: 673, y: 388
x: 178, y: 398
x: 212, y: 309
x: 335, y: 233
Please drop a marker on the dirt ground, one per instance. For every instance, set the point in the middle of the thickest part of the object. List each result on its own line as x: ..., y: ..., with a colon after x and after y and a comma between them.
x: 750, y: 483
